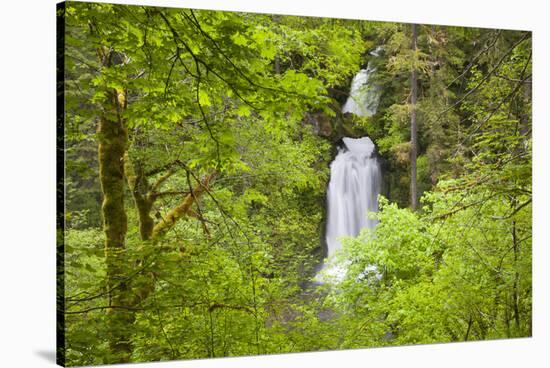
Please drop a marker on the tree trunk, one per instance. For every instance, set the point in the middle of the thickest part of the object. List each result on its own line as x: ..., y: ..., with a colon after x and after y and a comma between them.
x: 525, y: 117
x: 414, y: 143
x: 515, y: 287
x: 140, y: 188
x: 113, y: 141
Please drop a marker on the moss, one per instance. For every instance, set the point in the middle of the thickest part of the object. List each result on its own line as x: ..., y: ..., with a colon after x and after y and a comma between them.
x: 113, y: 140
x: 181, y: 210
x: 140, y: 188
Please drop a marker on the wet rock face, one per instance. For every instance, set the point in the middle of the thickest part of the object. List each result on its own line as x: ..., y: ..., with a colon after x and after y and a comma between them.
x: 322, y: 124
x: 334, y: 128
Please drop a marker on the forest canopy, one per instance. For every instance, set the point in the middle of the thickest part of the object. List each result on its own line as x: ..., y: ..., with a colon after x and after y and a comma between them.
x: 197, y: 148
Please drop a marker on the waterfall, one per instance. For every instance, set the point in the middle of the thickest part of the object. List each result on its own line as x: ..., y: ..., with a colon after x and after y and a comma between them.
x: 355, y: 178
x: 355, y: 182
x: 364, y: 96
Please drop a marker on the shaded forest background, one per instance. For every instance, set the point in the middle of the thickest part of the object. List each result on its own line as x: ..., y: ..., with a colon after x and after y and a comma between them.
x: 197, y: 148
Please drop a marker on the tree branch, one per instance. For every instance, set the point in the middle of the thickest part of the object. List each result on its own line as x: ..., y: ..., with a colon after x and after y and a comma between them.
x: 486, y: 77
x: 181, y: 209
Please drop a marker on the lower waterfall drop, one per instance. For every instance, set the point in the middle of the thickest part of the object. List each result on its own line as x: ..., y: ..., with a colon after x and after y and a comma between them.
x: 355, y: 182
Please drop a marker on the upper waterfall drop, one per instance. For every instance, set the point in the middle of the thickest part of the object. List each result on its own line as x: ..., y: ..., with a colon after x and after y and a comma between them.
x: 364, y: 96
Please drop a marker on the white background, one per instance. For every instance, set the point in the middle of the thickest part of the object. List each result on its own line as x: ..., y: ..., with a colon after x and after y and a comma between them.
x: 27, y: 181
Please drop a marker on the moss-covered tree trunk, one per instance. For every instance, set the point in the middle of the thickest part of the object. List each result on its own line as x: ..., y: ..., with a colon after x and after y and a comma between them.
x: 113, y: 140
x: 141, y: 192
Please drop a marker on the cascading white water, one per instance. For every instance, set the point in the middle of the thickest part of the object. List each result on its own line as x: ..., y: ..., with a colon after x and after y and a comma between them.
x: 364, y: 96
x: 355, y: 180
